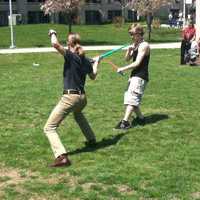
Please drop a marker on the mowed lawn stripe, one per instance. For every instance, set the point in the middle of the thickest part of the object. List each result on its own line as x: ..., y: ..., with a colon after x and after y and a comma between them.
x: 157, y: 161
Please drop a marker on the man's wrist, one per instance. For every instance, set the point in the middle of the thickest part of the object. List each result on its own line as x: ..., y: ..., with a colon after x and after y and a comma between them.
x: 52, y: 33
x: 54, y: 39
x: 123, y: 69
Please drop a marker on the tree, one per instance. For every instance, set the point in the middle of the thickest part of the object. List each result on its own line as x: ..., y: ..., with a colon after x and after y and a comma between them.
x: 65, y: 6
x: 147, y: 8
x: 123, y: 4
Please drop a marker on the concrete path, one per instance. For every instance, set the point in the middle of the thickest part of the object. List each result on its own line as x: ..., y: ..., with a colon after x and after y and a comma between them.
x: 87, y: 48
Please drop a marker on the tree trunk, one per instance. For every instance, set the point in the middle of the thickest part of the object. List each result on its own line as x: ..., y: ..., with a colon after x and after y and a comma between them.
x: 149, y: 19
x: 69, y: 20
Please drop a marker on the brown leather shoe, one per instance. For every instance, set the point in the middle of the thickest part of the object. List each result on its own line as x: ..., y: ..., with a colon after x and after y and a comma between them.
x: 61, y: 161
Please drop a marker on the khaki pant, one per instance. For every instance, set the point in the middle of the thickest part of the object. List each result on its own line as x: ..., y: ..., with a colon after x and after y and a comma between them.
x: 68, y: 103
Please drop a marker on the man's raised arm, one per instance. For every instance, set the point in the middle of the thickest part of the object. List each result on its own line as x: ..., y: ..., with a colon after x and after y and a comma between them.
x: 55, y: 43
x: 142, y: 51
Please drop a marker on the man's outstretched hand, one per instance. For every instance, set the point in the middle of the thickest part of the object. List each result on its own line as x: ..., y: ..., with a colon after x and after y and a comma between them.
x: 51, y: 32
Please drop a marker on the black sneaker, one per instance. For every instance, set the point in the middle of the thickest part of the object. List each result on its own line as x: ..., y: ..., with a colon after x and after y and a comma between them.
x: 123, y: 125
x: 90, y: 143
x: 139, y: 121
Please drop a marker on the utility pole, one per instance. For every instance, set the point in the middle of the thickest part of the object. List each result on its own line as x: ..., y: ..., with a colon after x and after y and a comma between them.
x: 184, y: 13
x: 197, y: 19
x: 12, y: 46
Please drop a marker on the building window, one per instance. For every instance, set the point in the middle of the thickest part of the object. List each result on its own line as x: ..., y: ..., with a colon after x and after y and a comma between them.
x: 4, y: 18
x: 93, y: 1
x: 35, y: 17
x: 92, y: 17
x: 132, y: 15
x: 7, y: 0
x: 114, y: 13
x: 35, y: 0
x: 64, y: 18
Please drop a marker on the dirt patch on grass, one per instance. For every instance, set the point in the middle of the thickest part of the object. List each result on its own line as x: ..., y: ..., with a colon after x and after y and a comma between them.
x: 10, y: 177
x: 38, y: 198
x: 195, y: 195
x: 13, y: 178
x: 88, y: 186
x: 16, y: 178
x: 124, y: 189
x: 66, y: 178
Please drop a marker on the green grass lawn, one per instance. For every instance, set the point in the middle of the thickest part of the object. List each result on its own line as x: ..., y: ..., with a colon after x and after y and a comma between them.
x: 36, y: 35
x: 158, y: 161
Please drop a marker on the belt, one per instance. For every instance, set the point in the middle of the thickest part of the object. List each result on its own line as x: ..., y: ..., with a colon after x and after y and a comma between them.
x: 71, y: 91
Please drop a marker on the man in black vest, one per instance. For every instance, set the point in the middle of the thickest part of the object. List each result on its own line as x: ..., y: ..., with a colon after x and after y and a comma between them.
x: 139, y: 52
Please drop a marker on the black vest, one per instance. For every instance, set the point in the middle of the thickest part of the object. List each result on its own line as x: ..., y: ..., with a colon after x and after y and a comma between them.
x: 75, y: 70
x: 141, y: 70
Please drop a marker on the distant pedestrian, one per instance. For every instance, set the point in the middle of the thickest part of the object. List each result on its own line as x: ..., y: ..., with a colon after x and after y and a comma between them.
x: 170, y: 19
x: 188, y: 35
x: 76, y: 67
x: 180, y: 20
x: 189, y: 17
x: 139, y: 52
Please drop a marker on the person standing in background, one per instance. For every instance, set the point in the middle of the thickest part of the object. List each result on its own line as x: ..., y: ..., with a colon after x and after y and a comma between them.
x: 188, y: 35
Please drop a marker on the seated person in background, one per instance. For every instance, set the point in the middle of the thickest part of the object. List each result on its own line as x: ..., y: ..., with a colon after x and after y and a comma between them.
x: 199, y: 44
x: 193, y: 53
x: 188, y: 35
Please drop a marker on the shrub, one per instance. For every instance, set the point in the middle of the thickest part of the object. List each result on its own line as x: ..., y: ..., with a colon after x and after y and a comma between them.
x: 118, y: 21
x: 156, y: 23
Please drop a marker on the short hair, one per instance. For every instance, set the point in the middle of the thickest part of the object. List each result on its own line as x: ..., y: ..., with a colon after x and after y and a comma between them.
x: 75, y: 38
x: 136, y: 28
x: 75, y: 41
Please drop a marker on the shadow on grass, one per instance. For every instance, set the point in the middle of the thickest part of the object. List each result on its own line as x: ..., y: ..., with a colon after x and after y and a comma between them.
x: 39, y: 45
x: 155, y: 118
x: 105, y: 142
x: 151, y: 119
x: 113, y: 140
